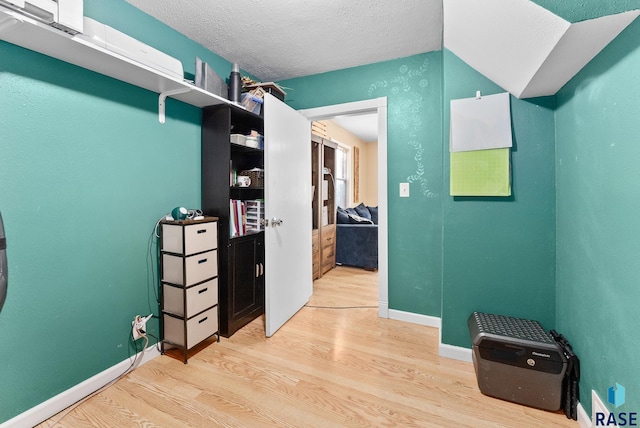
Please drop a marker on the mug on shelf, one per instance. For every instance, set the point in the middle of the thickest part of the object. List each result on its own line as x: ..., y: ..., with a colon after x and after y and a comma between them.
x: 243, y: 181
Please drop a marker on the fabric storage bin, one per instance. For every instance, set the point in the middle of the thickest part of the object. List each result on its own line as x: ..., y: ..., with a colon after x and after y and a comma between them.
x: 198, y: 328
x: 190, y: 270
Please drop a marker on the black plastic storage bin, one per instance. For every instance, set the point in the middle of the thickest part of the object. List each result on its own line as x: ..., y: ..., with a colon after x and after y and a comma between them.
x: 517, y: 360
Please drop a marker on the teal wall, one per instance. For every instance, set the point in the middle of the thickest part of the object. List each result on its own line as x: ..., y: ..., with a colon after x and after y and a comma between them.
x: 413, y: 88
x: 499, y: 253
x: 598, y: 180
x: 86, y: 170
x: 580, y: 10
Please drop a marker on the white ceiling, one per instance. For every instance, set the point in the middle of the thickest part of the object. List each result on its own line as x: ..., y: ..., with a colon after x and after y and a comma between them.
x: 522, y: 47
x: 518, y: 44
x: 280, y: 39
x: 363, y: 126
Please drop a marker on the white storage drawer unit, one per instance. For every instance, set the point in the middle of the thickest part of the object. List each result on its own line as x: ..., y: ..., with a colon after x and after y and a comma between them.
x: 198, y: 328
x: 189, y: 266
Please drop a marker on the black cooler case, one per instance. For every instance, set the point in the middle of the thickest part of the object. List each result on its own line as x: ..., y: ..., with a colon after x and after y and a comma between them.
x: 517, y: 360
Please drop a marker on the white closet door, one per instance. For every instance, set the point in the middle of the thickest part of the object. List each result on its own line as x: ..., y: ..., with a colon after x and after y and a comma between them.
x: 288, y: 282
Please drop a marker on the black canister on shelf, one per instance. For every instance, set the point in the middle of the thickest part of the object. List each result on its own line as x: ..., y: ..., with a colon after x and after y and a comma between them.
x: 235, y: 84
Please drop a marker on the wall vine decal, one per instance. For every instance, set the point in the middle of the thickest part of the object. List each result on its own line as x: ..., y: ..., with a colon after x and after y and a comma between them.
x: 406, y: 109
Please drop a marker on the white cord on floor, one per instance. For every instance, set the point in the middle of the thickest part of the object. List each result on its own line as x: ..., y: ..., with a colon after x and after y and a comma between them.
x: 133, y: 366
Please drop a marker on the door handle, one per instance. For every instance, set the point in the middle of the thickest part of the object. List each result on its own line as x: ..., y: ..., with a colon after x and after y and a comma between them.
x: 264, y: 222
x: 276, y: 222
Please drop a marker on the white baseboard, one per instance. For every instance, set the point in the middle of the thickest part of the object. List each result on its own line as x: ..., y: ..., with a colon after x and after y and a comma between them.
x: 454, y: 352
x: 427, y: 320
x: 54, y: 405
x: 444, y: 350
x: 383, y: 309
x: 584, y: 420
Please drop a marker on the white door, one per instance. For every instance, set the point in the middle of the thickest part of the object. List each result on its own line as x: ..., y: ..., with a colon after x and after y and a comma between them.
x: 287, y: 165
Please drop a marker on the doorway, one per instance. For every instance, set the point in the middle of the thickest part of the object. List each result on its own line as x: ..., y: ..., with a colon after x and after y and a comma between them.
x: 379, y: 107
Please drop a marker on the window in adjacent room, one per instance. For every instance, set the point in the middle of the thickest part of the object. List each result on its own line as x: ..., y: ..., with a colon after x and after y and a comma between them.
x: 342, y: 176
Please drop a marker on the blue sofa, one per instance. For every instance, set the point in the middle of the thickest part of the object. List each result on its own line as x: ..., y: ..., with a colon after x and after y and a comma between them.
x: 357, y: 237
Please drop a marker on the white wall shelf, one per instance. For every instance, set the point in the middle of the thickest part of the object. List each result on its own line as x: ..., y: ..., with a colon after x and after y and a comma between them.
x: 36, y: 36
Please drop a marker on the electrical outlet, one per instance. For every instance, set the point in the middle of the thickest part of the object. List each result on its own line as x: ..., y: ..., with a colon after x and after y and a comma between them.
x: 139, y: 326
x: 136, y: 324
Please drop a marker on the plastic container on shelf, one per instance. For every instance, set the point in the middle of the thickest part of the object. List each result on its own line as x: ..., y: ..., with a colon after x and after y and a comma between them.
x: 252, y: 102
x: 239, y: 139
x: 252, y: 142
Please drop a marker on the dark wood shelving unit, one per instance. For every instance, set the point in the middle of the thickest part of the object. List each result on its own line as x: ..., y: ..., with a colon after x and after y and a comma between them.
x: 241, y: 268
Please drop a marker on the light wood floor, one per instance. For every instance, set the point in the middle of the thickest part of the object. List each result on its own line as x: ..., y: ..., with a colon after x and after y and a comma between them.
x: 324, y: 368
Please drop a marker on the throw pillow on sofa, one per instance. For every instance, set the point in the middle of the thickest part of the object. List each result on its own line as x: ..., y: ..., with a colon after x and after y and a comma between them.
x: 350, y: 216
x: 343, y: 216
x: 363, y: 211
x: 374, y: 214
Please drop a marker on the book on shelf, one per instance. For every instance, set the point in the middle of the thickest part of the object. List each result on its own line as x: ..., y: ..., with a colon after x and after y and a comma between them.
x: 245, y: 216
x: 237, y: 218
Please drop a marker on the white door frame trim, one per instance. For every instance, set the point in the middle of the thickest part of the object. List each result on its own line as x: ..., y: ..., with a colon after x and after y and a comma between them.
x: 379, y: 106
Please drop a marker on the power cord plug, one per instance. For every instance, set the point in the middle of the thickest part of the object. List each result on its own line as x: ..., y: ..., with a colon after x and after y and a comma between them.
x: 139, y: 326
